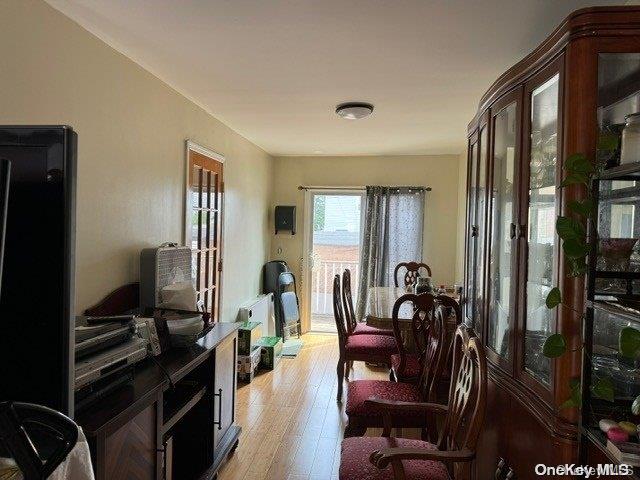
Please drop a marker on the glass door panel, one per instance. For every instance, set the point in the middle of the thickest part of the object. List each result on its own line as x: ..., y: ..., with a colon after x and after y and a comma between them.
x: 471, y: 234
x: 505, y: 127
x: 541, y: 215
x: 619, y: 123
x: 478, y: 304
x: 336, y: 225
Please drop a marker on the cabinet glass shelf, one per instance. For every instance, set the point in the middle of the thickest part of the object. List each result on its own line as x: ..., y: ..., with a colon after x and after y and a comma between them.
x: 621, y: 172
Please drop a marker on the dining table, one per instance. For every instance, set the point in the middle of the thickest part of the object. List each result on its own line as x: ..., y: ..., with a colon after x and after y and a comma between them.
x: 379, y: 312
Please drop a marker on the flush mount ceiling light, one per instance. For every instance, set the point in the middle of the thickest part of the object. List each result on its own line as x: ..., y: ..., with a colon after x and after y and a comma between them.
x: 354, y: 110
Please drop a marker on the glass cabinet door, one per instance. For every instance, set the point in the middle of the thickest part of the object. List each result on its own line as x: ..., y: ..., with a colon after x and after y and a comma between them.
x: 503, y: 246
x: 540, y: 173
x: 469, y: 297
x: 478, y: 304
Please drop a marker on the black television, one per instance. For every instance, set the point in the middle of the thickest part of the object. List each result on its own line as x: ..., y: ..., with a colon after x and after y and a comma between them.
x: 36, y: 301
x: 5, y: 170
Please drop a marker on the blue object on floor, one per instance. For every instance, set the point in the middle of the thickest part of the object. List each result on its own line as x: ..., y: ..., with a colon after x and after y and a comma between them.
x: 292, y: 347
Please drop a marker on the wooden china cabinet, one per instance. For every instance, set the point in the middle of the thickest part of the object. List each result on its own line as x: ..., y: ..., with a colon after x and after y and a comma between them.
x: 545, y: 108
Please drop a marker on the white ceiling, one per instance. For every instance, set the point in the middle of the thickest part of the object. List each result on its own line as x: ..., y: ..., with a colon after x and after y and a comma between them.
x: 273, y: 70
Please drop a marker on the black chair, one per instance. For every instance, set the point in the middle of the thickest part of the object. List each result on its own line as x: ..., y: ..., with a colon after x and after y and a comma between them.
x: 38, y: 438
x: 270, y: 275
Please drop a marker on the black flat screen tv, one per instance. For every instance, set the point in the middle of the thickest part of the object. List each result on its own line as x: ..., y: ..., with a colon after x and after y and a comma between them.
x: 5, y: 170
x: 36, y: 301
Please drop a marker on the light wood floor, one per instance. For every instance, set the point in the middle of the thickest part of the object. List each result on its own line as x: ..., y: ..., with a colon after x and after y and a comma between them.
x: 291, y: 423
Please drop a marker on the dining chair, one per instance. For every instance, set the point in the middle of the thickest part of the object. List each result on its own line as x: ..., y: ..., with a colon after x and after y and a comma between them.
x: 452, y: 456
x: 353, y: 325
x: 453, y: 316
x: 362, y: 413
x: 407, y: 366
x: 353, y: 348
x: 412, y: 272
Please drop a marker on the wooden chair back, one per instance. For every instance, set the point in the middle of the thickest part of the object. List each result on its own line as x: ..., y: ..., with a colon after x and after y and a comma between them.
x: 451, y: 305
x: 423, y: 308
x: 347, y: 301
x: 434, y: 355
x: 338, y: 313
x: 412, y: 272
x: 467, y: 397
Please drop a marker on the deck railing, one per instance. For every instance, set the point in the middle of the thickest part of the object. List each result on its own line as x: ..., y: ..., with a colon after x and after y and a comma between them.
x: 322, y: 283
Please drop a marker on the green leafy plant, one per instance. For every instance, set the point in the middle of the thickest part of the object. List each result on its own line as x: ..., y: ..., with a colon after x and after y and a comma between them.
x: 576, y: 245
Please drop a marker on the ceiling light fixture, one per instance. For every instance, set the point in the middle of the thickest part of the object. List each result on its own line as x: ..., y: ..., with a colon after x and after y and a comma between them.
x: 354, y: 110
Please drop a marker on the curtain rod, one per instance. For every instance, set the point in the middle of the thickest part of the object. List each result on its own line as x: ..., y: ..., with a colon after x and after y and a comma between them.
x: 320, y: 187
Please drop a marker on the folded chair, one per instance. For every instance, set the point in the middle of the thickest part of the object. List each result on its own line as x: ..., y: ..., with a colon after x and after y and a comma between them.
x: 389, y: 458
x: 353, y: 325
x: 362, y: 408
x: 361, y: 348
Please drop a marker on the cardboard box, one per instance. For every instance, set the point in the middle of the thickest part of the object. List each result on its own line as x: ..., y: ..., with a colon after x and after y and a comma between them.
x: 248, y: 335
x: 271, y: 351
x: 248, y: 364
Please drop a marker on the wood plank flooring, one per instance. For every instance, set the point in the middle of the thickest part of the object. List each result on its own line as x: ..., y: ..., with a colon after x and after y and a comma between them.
x: 291, y: 423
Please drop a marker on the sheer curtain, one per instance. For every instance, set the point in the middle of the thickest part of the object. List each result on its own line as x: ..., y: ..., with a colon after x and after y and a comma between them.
x: 393, y: 226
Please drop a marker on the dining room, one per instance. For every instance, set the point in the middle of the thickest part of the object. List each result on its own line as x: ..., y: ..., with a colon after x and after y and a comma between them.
x: 302, y: 240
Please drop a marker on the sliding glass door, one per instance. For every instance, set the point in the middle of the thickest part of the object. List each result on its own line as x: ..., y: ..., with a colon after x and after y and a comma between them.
x: 333, y: 226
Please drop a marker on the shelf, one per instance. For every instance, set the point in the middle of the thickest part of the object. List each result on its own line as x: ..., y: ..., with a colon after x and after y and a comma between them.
x: 598, y: 439
x: 183, y: 400
x: 614, y: 309
x: 621, y: 195
x: 621, y: 172
x: 619, y: 275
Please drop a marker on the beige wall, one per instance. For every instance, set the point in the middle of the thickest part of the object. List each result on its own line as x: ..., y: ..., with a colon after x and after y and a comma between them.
x: 131, y: 129
x: 439, y: 172
x: 462, y: 212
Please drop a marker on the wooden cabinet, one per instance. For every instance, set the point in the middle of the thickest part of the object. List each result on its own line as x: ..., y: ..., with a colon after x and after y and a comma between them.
x: 131, y: 448
x: 224, y: 388
x: 536, y: 115
x: 175, y: 420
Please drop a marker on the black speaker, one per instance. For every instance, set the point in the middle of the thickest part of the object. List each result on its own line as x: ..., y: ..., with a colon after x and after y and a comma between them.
x: 286, y: 219
x: 5, y: 167
x: 36, y: 306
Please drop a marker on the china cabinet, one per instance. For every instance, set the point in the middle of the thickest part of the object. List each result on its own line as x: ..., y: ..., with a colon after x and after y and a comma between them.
x: 577, y: 87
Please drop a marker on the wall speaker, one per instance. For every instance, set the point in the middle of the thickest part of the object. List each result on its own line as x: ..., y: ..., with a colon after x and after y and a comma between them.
x: 286, y: 219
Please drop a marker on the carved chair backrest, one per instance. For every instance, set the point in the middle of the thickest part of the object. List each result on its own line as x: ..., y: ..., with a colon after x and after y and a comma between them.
x: 467, y: 395
x: 423, y: 309
x: 347, y: 301
x: 412, y: 272
x: 451, y: 305
x: 434, y: 355
x: 338, y: 313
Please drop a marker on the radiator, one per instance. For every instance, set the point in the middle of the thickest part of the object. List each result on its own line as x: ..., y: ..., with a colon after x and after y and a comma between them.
x: 260, y: 310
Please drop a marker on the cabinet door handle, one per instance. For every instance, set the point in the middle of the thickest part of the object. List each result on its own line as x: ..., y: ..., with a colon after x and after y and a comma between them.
x: 512, y: 230
x: 510, y: 474
x: 521, y: 230
x: 219, y: 422
x: 501, y: 465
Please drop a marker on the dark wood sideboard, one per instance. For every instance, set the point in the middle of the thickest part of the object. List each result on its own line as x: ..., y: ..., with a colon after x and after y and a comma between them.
x: 176, y: 419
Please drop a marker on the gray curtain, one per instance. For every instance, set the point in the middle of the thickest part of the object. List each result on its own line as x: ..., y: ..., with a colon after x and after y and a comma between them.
x: 393, y: 226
